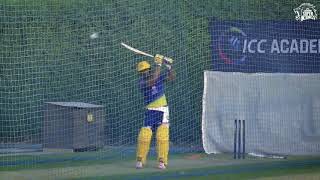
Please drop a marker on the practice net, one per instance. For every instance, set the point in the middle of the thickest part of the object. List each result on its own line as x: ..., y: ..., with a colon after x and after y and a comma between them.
x: 68, y: 85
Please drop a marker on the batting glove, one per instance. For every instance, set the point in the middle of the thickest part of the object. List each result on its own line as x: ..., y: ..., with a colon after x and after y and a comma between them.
x: 167, y: 60
x: 158, y: 59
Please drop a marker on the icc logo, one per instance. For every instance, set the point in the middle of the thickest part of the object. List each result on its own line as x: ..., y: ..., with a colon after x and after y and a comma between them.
x: 230, y: 45
x: 305, y: 11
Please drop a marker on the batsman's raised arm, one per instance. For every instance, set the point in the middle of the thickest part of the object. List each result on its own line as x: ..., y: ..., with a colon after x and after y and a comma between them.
x: 156, y: 74
x: 151, y: 77
x: 171, y: 74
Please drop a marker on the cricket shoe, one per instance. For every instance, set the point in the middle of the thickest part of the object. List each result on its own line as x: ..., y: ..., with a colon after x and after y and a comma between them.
x: 162, y: 165
x: 139, y: 165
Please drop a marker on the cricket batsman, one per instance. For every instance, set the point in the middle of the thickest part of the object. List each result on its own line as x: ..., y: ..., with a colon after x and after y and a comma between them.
x: 157, y: 112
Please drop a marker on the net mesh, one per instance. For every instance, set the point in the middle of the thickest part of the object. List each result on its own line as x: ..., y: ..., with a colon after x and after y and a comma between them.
x: 55, y: 55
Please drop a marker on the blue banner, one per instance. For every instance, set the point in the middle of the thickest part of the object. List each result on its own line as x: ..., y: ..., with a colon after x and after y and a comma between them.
x: 265, y: 46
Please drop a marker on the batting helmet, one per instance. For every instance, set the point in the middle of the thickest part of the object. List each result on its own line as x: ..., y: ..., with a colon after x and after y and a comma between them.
x: 143, y: 65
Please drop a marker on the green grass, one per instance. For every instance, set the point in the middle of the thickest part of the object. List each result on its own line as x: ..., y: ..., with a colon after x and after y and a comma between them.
x: 59, y: 160
x: 180, y: 166
x: 289, y: 172
x: 46, y: 161
x: 242, y: 171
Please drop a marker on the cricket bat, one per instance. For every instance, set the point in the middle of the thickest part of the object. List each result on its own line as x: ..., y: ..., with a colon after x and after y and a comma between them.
x: 167, y: 59
x: 136, y: 50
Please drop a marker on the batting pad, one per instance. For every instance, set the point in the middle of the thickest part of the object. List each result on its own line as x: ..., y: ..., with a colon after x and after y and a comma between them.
x: 144, y: 139
x: 163, y: 143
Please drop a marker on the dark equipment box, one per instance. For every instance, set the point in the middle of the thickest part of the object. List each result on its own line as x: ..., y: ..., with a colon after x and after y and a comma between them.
x: 73, y: 126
